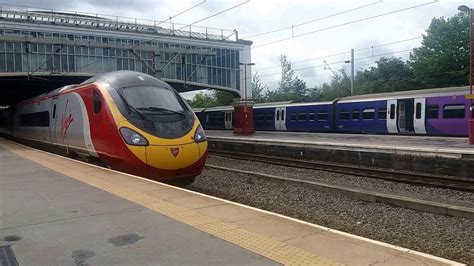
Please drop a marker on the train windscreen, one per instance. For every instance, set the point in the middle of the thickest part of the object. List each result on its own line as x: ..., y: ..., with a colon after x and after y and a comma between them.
x: 153, y: 98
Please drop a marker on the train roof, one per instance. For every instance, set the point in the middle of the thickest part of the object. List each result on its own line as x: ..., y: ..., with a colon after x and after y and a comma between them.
x: 262, y: 105
x: 407, y: 94
x: 127, y: 78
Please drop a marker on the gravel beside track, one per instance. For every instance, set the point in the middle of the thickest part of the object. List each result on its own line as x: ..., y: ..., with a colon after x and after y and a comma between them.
x: 443, y: 236
x: 446, y: 196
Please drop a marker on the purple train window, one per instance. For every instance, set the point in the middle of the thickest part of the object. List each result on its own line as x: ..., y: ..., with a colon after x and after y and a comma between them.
x: 454, y: 111
x: 382, y: 114
x: 344, y: 115
x: 432, y: 112
x: 368, y: 114
x: 302, y: 116
x: 323, y: 116
x: 392, y: 111
x: 355, y: 115
x: 418, y: 110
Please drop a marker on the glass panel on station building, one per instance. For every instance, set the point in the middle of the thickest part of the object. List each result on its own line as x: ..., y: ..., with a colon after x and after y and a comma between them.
x: 61, y: 52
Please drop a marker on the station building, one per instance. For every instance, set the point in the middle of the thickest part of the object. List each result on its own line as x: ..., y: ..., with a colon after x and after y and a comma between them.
x: 41, y: 50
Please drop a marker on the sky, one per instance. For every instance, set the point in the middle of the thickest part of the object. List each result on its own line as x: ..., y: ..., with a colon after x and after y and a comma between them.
x: 319, y: 39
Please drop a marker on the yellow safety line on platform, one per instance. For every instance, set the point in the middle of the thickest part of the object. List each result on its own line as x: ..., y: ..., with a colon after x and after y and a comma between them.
x: 111, y: 182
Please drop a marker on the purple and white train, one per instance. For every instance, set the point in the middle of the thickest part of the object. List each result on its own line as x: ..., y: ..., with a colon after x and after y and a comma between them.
x: 440, y: 112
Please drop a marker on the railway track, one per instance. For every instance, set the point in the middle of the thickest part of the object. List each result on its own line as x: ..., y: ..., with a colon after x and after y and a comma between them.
x: 410, y: 178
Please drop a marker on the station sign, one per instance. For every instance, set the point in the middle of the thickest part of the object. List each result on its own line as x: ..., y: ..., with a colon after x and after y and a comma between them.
x: 470, y: 96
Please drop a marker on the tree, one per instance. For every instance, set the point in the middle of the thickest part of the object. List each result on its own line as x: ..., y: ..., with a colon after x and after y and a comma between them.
x: 443, y: 58
x: 258, y: 88
x: 223, y: 98
x: 287, y: 75
x: 389, y: 74
x: 201, y: 100
x: 340, y: 86
x: 291, y: 87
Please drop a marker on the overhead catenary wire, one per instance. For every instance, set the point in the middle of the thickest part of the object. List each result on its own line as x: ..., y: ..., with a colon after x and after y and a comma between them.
x: 338, y: 25
x: 182, y: 12
x: 345, y: 24
x: 311, y: 21
x: 343, y: 53
x: 340, y: 62
x: 215, y: 14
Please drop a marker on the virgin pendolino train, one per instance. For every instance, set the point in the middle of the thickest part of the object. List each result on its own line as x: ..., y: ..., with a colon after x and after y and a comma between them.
x: 439, y: 112
x: 133, y: 122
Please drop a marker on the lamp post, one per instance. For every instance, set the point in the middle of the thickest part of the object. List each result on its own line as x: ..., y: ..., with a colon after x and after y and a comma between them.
x: 464, y: 8
x: 245, y: 77
x: 352, y: 70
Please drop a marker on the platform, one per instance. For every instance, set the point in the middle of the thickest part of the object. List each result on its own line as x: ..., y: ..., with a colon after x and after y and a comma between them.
x: 437, y: 155
x: 56, y: 211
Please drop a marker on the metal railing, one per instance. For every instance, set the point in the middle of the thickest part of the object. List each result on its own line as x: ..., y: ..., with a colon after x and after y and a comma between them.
x: 101, y: 21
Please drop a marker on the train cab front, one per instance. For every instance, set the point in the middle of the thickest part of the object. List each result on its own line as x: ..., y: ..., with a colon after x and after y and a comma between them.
x: 161, y: 130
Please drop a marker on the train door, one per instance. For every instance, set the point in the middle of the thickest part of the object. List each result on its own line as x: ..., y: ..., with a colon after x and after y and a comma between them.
x: 228, y: 119
x: 54, y: 119
x: 419, y: 116
x: 392, y: 116
x: 405, y: 115
x: 280, y: 118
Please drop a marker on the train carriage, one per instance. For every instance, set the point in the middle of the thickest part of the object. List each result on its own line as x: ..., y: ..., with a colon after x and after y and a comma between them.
x: 133, y: 122
x: 310, y: 117
x: 441, y: 112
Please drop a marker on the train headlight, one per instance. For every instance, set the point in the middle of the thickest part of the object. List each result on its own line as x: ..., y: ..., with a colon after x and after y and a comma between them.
x: 133, y: 138
x: 199, y: 135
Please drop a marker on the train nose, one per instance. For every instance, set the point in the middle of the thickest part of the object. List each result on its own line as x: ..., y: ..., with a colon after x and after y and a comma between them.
x: 175, y: 159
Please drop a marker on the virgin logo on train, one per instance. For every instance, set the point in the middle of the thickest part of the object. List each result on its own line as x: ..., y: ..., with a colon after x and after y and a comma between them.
x: 66, y: 121
x: 174, y: 151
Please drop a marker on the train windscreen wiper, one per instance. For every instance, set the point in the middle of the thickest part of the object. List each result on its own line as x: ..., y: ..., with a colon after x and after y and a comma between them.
x: 131, y: 108
x: 152, y: 108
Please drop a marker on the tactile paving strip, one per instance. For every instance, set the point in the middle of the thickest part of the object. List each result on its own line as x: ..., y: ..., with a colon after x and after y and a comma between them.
x: 257, y: 243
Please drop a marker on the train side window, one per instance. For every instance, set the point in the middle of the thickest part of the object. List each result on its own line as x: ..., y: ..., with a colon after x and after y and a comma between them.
x: 278, y: 115
x: 97, y: 102
x: 323, y: 116
x: 302, y: 116
x: 355, y: 115
x: 269, y: 117
x: 344, y: 115
x: 392, y: 111
x: 454, y: 111
x: 293, y: 117
x: 282, y: 114
x: 368, y: 114
x: 432, y: 112
x: 312, y: 116
x: 38, y: 119
x: 418, y: 110
x: 382, y: 114
x: 54, y: 111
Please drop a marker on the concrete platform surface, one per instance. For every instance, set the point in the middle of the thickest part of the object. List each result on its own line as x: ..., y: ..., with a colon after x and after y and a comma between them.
x: 380, y: 142
x: 57, y: 211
